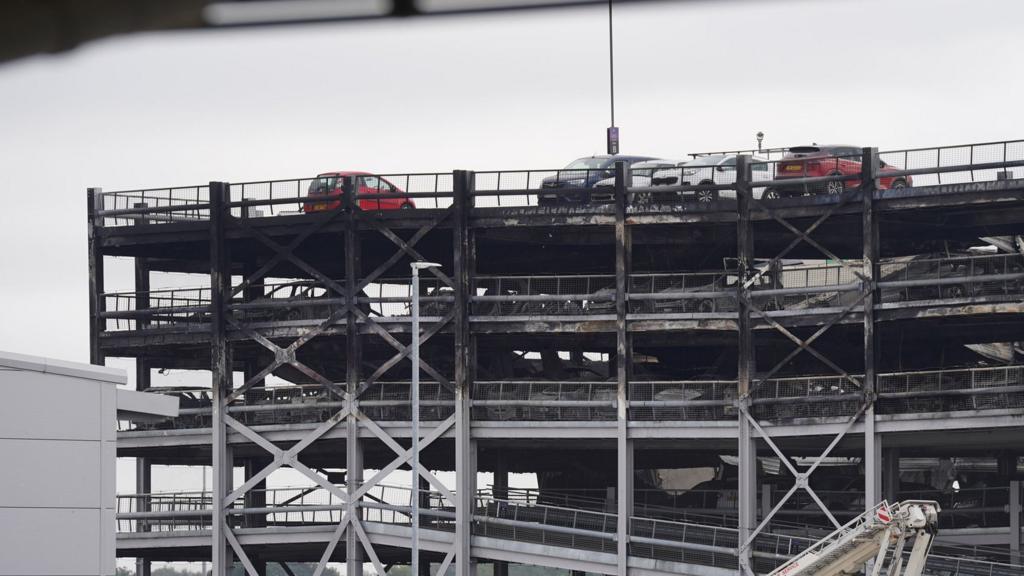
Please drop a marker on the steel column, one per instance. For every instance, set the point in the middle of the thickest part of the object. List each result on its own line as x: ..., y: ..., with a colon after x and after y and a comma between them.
x: 220, y: 360
x: 623, y: 364
x: 872, y: 440
x: 465, y: 447
x: 747, y: 447
x: 354, y: 555
x: 891, y: 473
x: 501, y: 493
x: 1015, y: 519
x: 96, y: 303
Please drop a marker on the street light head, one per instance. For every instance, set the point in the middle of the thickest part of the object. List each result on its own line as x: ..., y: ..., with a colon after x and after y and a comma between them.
x: 423, y: 265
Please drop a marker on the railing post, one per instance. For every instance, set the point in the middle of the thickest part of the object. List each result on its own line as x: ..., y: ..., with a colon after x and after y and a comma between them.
x: 872, y: 440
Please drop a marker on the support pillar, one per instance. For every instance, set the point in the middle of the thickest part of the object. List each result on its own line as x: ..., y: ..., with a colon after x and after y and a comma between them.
x: 623, y: 365
x: 872, y: 440
x: 1015, y: 520
x: 465, y: 446
x: 891, y: 473
x: 747, y: 446
x: 354, y: 553
x: 96, y: 301
x: 500, y: 493
x: 221, y: 368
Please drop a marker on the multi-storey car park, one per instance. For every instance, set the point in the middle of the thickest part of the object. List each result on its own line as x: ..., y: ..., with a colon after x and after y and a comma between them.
x: 813, y: 355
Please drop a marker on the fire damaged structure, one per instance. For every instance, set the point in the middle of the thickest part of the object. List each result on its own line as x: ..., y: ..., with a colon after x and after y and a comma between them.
x: 697, y: 387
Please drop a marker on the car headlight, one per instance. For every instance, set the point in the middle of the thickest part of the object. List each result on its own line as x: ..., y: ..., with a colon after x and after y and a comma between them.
x: 577, y: 182
x: 689, y: 172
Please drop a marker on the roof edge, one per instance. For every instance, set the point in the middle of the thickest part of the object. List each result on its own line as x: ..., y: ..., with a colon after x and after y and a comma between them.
x: 62, y: 367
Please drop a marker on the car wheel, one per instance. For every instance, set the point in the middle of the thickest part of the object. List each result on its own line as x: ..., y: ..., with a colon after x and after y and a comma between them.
x: 294, y: 314
x: 407, y: 206
x: 706, y: 306
x: 899, y: 184
x: 954, y: 291
x: 706, y: 195
x: 835, y: 187
x: 771, y: 194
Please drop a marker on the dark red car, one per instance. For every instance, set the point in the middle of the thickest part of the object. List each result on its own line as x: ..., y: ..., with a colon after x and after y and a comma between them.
x: 325, y: 193
x: 814, y: 161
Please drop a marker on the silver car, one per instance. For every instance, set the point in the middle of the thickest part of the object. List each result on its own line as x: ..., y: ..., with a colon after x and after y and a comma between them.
x: 713, y: 169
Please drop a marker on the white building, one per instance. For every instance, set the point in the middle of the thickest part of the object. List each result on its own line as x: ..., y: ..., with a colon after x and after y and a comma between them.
x: 58, y: 423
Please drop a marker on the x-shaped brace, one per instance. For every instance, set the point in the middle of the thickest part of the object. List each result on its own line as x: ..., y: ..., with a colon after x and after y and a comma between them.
x: 803, y: 236
x: 404, y: 455
x: 285, y: 355
x: 404, y: 351
x: 804, y: 345
x: 289, y: 456
x: 801, y: 479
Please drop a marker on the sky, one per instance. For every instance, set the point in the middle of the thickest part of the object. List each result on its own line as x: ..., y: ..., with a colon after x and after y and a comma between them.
x: 510, y: 91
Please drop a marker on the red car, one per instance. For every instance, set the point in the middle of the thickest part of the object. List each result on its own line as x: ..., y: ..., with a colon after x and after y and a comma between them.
x: 814, y: 161
x: 326, y: 191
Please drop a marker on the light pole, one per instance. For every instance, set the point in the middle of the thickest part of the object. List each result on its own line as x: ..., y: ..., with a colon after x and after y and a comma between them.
x: 416, y: 267
x: 760, y: 137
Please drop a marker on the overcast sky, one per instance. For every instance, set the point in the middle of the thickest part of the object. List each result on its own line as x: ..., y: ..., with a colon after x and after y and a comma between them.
x: 505, y: 91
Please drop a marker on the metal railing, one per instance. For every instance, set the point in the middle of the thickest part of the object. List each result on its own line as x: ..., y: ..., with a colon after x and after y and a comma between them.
x: 583, y: 400
x: 508, y: 519
x: 772, y: 178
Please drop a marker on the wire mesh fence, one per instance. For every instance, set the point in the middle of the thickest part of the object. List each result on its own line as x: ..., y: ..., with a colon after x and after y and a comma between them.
x: 544, y: 401
x: 806, y: 397
x: 184, y: 308
x: 326, y: 193
x: 543, y: 295
x: 957, y: 164
x: 951, y: 278
x: 682, y: 400
x: 968, y: 389
x: 154, y: 206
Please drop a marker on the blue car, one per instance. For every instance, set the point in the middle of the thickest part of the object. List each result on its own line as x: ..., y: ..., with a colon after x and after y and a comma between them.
x: 574, y: 183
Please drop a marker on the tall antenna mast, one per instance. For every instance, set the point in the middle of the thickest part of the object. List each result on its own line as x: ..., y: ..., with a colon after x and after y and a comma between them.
x: 613, y: 131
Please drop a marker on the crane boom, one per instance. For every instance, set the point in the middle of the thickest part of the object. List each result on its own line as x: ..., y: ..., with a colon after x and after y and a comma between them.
x: 873, y: 534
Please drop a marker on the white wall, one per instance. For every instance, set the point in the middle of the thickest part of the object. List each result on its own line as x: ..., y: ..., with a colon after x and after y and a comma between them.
x: 57, y: 466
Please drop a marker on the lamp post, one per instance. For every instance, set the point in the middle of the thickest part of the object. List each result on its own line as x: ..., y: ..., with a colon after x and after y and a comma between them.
x: 760, y: 137
x: 416, y: 267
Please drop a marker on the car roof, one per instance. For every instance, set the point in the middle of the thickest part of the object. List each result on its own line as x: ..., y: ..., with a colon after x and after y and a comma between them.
x: 344, y: 173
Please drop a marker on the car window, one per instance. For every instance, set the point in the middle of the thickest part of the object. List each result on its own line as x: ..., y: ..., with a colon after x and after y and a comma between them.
x: 588, y: 163
x: 371, y: 182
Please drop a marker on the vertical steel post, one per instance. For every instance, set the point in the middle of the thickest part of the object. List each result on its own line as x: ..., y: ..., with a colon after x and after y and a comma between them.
x: 500, y: 493
x: 143, y: 380
x: 872, y: 440
x: 747, y: 447
x: 1015, y: 518
x: 414, y: 487
x: 353, y: 360
x: 96, y: 303
x: 220, y: 290
x: 623, y: 362
x: 891, y: 474
x: 465, y: 459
